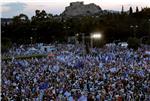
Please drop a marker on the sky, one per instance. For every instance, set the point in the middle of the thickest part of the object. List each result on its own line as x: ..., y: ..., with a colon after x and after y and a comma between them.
x: 10, y: 8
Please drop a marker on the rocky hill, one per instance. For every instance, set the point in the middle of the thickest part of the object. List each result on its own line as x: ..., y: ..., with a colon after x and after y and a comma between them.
x: 80, y: 9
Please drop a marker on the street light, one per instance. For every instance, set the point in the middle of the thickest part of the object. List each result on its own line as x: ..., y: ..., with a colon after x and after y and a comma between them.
x: 149, y: 26
x: 132, y: 26
x: 77, y: 34
x: 31, y: 40
x: 83, y: 39
x: 76, y: 38
x: 134, y: 29
x: 95, y: 36
x: 67, y: 30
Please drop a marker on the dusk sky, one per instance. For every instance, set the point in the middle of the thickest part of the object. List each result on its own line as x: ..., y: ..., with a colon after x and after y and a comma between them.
x: 10, y: 8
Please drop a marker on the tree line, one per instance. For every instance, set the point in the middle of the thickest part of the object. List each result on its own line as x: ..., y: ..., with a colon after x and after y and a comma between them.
x: 44, y: 27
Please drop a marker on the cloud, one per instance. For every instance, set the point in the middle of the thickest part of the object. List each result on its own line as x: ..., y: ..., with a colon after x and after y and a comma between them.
x: 12, y: 9
x: 5, y: 9
x: 58, y: 6
x: 54, y: 8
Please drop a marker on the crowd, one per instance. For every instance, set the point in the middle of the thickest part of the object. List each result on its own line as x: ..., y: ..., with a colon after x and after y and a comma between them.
x: 106, y: 74
x: 25, y: 50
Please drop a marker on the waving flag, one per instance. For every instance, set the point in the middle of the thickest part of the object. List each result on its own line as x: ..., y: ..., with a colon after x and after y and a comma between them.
x: 44, y: 85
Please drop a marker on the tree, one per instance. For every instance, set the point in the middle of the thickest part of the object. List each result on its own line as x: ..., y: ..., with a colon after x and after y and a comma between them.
x: 22, y: 18
x: 137, y: 9
x: 41, y: 16
x: 122, y: 10
x: 6, y: 44
x: 130, y: 11
x: 44, y: 27
x: 20, y: 27
x: 133, y: 42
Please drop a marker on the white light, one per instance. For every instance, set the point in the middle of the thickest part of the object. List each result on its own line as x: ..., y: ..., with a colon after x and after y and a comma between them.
x: 77, y: 34
x: 96, y: 35
x: 131, y: 26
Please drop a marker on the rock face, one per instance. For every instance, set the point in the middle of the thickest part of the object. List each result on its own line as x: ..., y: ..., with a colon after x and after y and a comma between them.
x: 79, y: 9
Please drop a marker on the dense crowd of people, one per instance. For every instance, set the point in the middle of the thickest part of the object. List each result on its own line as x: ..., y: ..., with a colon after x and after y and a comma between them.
x: 70, y: 74
x: 25, y: 50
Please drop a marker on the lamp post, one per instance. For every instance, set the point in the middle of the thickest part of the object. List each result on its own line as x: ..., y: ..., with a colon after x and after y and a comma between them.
x: 31, y: 40
x: 149, y: 26
x: 134, y: 27
x: 76, y: 38
x: 83, y: 39
x: 34, y: 30
x: 95, y: 36
x: 66, y: 29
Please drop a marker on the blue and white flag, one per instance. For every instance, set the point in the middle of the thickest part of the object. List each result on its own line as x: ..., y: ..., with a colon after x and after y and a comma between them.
x: 44, y: 86
x: 141, y: 73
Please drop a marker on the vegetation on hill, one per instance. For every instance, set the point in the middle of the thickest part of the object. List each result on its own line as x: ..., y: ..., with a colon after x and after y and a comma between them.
x: 44, y: 27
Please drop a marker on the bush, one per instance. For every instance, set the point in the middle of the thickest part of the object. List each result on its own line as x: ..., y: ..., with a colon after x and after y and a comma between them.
x: 147, y: 41
x: 133, y: 43
x: 6, y: 44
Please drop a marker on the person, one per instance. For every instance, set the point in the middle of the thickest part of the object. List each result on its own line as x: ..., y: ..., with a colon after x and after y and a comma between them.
x: 72, y: 76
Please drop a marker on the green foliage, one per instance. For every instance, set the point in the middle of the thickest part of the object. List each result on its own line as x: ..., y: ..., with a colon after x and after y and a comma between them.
x: 5, y: 44
x: 44, y: 27
x: 148, y: 42
x: 130, y: 10
x: 137, y: 9
x: 122, y: 10
x: 133, y: 42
